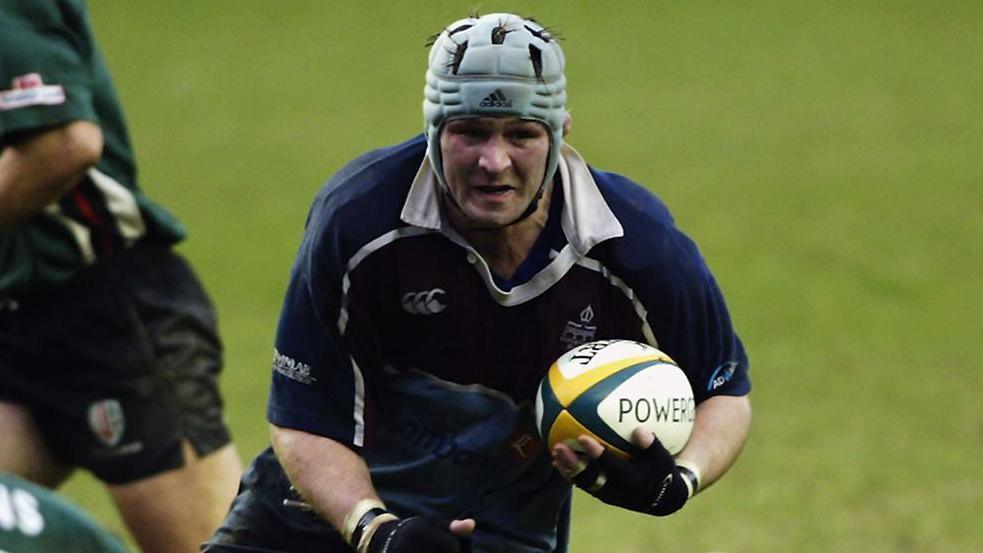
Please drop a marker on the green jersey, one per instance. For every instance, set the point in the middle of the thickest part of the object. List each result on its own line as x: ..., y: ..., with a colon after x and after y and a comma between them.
x: 52, y: 73
x: 36, y: 520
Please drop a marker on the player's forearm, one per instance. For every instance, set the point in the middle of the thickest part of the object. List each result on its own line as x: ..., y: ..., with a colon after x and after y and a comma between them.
x: 40, y: 168
x: 719, y: 433
x: 330, y: 476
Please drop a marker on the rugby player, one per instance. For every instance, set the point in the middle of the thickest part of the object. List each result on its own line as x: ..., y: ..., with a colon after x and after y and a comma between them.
x: 109, y: 352
x: 437, y: 281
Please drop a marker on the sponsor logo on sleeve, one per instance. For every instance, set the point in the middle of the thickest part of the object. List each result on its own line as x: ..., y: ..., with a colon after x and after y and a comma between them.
x: 30, y: 90
x: 722, y: 375
x: 291, y: 368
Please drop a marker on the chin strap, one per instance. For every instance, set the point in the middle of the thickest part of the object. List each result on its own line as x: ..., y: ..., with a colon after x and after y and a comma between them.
x: 533, y: 206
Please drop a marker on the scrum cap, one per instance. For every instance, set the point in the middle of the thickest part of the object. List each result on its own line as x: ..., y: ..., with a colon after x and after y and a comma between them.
x: 497, y: 64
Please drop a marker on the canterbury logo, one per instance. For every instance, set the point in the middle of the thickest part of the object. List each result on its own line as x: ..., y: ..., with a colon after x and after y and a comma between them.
x: 662, y: 492
x: 496, y: 99
x: 424, y: 303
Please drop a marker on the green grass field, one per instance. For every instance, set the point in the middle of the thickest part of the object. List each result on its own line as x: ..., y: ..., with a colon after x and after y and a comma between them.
x: 827, y: 157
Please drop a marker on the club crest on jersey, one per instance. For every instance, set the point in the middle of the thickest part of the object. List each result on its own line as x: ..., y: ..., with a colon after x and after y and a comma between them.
x: 29, y: 90
x: 581, y: 331
x: 525, y: 443
x: 107, y: 422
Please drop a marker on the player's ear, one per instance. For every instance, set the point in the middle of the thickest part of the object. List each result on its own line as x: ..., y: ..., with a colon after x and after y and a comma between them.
x: 567, y: 124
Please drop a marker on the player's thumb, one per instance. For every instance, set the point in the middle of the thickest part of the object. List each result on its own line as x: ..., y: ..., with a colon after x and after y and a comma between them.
x: 652, y: 449
x: 642, y: 438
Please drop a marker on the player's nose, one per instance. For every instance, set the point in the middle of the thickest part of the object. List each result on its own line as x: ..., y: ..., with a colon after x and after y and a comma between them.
x: 494, y: 155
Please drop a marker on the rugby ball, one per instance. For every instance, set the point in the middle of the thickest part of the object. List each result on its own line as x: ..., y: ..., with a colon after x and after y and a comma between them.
x: 606, y: 389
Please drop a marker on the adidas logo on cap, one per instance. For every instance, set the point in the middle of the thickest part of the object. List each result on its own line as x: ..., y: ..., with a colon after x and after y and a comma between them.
x: 496, y: 99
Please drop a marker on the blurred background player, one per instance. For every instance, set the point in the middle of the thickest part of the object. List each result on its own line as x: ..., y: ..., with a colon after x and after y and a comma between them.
x: 36, y: 520
x: 109, y: 354
x: 436, y: 282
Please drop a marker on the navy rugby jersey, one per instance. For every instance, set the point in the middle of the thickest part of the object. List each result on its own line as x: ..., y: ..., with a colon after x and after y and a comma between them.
x: 396, y: 339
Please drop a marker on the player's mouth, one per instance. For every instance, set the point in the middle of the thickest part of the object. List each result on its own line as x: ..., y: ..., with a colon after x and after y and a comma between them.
x: 493, y: 190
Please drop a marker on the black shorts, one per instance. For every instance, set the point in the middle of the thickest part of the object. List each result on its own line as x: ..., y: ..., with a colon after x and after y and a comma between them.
x: 118, y: 366
x: 253, y: 526
x: 261, y: 520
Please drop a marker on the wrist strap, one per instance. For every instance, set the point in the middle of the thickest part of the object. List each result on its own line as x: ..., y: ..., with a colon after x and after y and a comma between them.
x: 355, y: 516
x: 364, y: 523
x: 691, y: 476
x: 367, y: 527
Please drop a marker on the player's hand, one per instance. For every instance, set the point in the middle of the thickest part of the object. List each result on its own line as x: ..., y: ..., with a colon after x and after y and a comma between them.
x: 421, y: 535
x: 648, y: 483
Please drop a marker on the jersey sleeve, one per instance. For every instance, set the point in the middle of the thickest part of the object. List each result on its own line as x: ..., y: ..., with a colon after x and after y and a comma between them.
x: 314, y: 383
x: 684, y: 305
x: 703, y: 335
x: 45, y: 79
x: 697, y: 333
x: 323, y: 334
x: 329, y: 347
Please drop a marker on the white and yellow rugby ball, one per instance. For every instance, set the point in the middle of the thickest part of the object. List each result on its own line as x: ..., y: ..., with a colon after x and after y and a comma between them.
x: 608, y: 388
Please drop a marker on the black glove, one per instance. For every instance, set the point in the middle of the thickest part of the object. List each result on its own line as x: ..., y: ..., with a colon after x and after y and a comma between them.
x: 649, y: 482
x: 416, y: 535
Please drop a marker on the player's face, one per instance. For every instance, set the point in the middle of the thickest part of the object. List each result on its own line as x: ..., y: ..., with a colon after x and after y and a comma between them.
x: 494, y: 166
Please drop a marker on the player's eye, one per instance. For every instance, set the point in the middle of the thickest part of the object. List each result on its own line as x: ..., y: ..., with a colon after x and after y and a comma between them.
x: 468, y: 130
x: 525, y: 132
x: 475, y: 132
